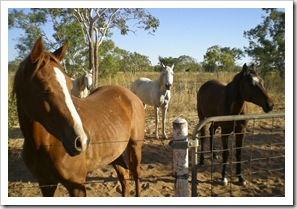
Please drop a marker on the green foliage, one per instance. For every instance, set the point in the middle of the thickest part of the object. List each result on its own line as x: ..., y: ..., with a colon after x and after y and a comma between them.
x: 135, y: 62
x: 267, y: 42
x: 31, y: 24
x: 86, y: 29
x: 167, y: 61
x: 221, y: 58
x: 183, y: 63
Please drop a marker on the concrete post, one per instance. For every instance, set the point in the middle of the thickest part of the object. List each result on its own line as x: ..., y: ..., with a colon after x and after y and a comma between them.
x: 180, y: 158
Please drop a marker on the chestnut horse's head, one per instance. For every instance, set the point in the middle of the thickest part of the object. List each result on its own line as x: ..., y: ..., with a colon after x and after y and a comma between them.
x: 252, y: 88
x: 43, y: 93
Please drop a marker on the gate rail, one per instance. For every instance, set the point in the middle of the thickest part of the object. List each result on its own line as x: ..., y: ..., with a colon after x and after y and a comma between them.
x: 194, y: 142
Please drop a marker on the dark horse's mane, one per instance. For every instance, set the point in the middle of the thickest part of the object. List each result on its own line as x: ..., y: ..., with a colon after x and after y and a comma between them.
x: 44, y: 59
x: 232, y: 92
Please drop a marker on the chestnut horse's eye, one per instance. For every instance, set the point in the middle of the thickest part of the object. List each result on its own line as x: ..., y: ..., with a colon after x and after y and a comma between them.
x: 45, y: 101
x: 47, y: 106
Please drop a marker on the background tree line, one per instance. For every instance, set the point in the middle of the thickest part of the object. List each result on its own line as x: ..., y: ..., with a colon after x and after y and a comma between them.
x: 94, y: 48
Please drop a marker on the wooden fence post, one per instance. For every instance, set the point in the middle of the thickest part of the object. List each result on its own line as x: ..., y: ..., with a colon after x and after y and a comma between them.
x: 180, y: 157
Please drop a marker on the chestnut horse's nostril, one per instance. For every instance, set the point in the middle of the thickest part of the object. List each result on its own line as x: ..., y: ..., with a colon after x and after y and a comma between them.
x: 77, y: 144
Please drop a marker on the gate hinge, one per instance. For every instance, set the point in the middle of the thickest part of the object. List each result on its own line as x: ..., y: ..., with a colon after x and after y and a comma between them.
x: 183, y: 144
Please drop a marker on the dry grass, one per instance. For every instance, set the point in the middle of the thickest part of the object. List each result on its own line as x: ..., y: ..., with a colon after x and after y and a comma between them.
x: 186, y: 85
x: 184, y: 90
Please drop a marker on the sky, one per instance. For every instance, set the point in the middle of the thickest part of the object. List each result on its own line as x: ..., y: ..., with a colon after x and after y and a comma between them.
x: 191, y: 32
x: 183, y: 31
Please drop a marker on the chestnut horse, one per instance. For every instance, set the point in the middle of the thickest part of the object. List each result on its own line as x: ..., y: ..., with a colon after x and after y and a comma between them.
x: 215, y: 98
x: 66, y: 137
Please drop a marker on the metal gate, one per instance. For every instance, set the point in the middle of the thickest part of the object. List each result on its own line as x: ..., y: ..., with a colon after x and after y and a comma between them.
x: 263, y: 158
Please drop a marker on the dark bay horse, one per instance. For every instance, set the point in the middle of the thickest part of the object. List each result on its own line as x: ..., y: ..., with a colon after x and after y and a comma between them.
x: 215, y: 98
x: 65, y: 136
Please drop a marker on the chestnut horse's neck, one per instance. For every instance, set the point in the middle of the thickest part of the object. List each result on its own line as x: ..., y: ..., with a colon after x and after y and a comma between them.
x: 235, y: 104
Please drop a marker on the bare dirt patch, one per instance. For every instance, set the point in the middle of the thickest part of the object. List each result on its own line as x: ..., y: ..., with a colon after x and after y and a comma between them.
x: 156, y: 176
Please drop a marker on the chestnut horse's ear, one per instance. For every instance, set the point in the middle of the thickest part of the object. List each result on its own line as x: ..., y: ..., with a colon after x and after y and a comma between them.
x: 37, y: 50
x: 59, y: 53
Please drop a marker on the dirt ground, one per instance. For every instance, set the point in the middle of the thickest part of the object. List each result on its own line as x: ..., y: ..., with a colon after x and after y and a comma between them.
x: 265, y: 173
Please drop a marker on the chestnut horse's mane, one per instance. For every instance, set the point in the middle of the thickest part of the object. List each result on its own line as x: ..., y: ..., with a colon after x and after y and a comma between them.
x: 44, y: 59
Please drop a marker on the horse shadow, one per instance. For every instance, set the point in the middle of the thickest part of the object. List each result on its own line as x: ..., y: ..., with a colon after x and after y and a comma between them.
x: 17, y: 170
x: 156, y: 152
x: 15, y: 133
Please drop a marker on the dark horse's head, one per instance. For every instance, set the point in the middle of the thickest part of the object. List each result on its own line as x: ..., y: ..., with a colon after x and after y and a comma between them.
x: 43, y: 94
x: 252, y: 88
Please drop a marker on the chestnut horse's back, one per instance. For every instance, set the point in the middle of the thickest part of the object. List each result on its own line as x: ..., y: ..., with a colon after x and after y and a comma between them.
x: 129, y: 102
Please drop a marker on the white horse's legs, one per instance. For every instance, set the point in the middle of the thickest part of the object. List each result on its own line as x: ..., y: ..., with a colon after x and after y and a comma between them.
x: 164, y: 112
x: 156, y: 121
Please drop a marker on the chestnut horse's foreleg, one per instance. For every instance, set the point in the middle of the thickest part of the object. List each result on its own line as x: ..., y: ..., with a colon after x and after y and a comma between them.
x: 156, y: 121
x: 123, y: 174
x: 164, y: 113
x: 225, y: 157
x: 75, y: 189
x: 48, y: 189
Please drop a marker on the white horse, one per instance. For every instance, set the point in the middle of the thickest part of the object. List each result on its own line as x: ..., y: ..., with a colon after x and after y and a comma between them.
x: 82, y: 85
x: 156, y: 93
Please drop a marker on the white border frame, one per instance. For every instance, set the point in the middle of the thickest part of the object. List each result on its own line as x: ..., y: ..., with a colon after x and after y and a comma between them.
x: 287, y: 200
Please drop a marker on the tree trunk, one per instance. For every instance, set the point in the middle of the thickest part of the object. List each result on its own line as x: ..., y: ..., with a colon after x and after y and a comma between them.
x: 92, y: 57
x: 96, y: 64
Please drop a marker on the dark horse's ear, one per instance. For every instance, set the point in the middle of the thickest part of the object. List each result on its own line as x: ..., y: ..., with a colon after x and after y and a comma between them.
x: 59, y: 53
x: 244, y: 68
x: 37, y: 50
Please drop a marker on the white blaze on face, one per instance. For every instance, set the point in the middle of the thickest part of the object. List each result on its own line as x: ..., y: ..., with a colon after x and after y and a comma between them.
x: 78, y: 128
x: 256, y: 79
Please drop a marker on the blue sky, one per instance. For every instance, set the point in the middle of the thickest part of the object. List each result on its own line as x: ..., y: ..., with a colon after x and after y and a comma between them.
x: 191, y: 32
x: 184, y: 31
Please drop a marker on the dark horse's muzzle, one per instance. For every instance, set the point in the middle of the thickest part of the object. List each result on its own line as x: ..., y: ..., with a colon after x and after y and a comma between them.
x: 269, y: 107
x: 168, y: 86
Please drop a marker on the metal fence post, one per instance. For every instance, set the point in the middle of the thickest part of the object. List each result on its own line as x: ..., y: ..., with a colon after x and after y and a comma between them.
x: 180, y: 157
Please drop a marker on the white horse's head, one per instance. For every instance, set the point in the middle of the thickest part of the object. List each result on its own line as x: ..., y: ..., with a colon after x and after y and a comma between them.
x: 88, y: 79
x: 167, y: 76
